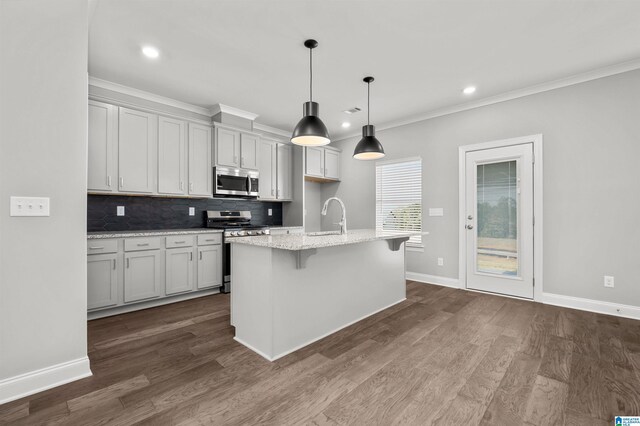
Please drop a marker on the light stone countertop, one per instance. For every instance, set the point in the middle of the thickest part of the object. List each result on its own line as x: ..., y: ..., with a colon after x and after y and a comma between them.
x: 305, y: 241
x: 284, y: 227
x: 151, y: 233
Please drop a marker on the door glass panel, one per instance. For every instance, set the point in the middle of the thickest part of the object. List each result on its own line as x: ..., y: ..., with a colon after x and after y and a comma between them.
x: 497, y: 224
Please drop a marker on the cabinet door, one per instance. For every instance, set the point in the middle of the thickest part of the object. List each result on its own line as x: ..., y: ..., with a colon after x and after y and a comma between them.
x: 179, y: 270
x: 209, y: 266
x: 331, y: 164
x: 172, y: 156
x: 249, y: 151
x: 267, y: 170
x: 137, y: 151
x: 227, y: 147
x: 314, y: 161
x: 284, y: 166
x: 102, y: 280
x: 103, y: 146
x: 141, y: 275
x: 200, y: 171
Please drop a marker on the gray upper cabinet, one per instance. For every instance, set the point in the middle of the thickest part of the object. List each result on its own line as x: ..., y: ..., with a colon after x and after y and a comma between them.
x: 331, y: 164
x: 249, y: 151
x: 142, y: 277
x: 267, y: 166
x: 137, y: 151
x: 322, y: 164
x: 200, y: 171
x: 103, y: 147
x: 227, y: 147
x: 102, y: 280
x: 179, y: 266
x: 172, y: 156
x: 314, y: 161
x: 284, y: 166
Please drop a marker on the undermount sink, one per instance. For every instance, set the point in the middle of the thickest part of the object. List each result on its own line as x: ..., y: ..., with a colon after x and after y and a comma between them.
x: 323, y: 233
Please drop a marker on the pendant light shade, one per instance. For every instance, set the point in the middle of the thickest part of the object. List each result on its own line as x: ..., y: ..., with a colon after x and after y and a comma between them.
x: 369, y: 147
x: 310, y: 131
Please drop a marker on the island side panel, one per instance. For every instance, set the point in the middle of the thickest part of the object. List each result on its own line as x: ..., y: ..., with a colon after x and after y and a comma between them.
x: 252, y: 296
x: 339, y: 286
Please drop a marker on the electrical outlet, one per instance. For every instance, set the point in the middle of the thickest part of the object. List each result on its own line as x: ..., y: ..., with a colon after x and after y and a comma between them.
x: 192, y: 211
x: 270, y: 212
x: 120, y: 211
x: 608, y: 281
x: 440, y: 261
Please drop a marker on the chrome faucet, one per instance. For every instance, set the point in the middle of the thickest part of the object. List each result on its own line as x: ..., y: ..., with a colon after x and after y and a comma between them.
x: 343, y: 220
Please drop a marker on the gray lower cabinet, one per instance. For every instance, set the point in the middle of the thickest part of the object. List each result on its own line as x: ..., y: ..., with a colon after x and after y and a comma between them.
x: 102, y: 280
x: 142, y: 275
x: 179, y: 269
x: 209, y: 266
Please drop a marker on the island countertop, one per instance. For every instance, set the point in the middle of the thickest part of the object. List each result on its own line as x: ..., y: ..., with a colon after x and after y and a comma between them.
x: 307, y: 241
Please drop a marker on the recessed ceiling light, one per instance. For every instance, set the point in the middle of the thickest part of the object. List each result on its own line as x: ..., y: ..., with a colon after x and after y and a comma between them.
x: 346, y: 125
x: 469, y: 90
x: 150, y: 52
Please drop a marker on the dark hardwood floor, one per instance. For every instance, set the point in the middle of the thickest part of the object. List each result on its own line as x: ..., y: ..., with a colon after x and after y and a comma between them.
x: 443, y: 356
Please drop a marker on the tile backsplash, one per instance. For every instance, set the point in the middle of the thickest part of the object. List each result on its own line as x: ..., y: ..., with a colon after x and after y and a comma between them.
x: 144, y: 213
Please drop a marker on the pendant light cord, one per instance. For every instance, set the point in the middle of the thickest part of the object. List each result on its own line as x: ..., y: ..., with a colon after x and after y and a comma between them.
x: 310, y: 75
x: 368, y: 101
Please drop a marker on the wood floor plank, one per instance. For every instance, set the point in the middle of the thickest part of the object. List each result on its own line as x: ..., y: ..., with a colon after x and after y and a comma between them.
x: 444, y: 356
x: 546, y: 405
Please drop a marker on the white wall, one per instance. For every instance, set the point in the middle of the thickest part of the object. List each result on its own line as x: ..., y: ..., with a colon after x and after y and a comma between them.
x: 591, y: 198
x: 43, y: 152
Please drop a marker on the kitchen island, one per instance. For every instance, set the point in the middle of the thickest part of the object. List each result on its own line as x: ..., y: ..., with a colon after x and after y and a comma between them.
x: 291, y: 290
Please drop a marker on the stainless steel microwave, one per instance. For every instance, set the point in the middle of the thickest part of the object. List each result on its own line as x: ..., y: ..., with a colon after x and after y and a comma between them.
x: 230, y: 182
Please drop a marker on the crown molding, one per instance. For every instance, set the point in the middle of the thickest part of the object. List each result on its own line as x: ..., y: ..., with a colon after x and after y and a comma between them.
x: 264, y: 128
x: 218, y: 108
x: 514, y: 94
x: 108, y: 85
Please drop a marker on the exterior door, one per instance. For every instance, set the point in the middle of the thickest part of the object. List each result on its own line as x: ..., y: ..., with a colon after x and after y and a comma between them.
x: 499, y: 220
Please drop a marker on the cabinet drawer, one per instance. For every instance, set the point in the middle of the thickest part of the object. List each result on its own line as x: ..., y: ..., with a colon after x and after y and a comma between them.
x: 102, y: 246
x: 208, y: 239
x: 137, y: 244
x: 179, y: 241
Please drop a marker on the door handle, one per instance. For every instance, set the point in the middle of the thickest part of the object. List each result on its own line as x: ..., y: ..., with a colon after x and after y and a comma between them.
x: 469, y: 226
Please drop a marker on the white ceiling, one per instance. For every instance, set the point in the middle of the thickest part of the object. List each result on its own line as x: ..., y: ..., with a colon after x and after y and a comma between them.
x: 249, y: 54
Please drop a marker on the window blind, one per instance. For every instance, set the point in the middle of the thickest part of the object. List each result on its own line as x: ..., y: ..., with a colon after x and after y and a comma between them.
x: 399, y: 197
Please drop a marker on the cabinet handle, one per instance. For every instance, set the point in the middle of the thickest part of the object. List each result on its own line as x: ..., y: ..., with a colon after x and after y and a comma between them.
x: 235, y: 159
x: 96, y: 247
x: 180, y: 242
x: 109, y: 181
x: 200, y: 255
x: 127, y: 263
x: 190, y: 186
x: 181, y: 186
x: 272, y: 192
x: 121, y: 181
x: 143, y: 244
x: 191, y: 257
x: 114, y: 264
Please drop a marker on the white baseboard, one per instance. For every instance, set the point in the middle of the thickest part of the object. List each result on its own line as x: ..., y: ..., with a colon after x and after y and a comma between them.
x: 590, y: 305
x: 46, y: 378
x: 432, y: 279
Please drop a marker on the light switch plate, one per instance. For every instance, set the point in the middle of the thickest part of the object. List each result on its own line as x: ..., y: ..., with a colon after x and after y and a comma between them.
x: 30, y: 206
x: 120, y: 211
x: 270, y: 212
x: 192, y: 211
x: 436, y: 211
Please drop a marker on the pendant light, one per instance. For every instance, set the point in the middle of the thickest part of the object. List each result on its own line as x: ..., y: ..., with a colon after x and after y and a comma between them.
x: 310, y: 131
x: 369, y: 147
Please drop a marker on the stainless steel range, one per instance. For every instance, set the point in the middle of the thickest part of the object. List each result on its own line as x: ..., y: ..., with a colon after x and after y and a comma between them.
x: 235, y: 223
